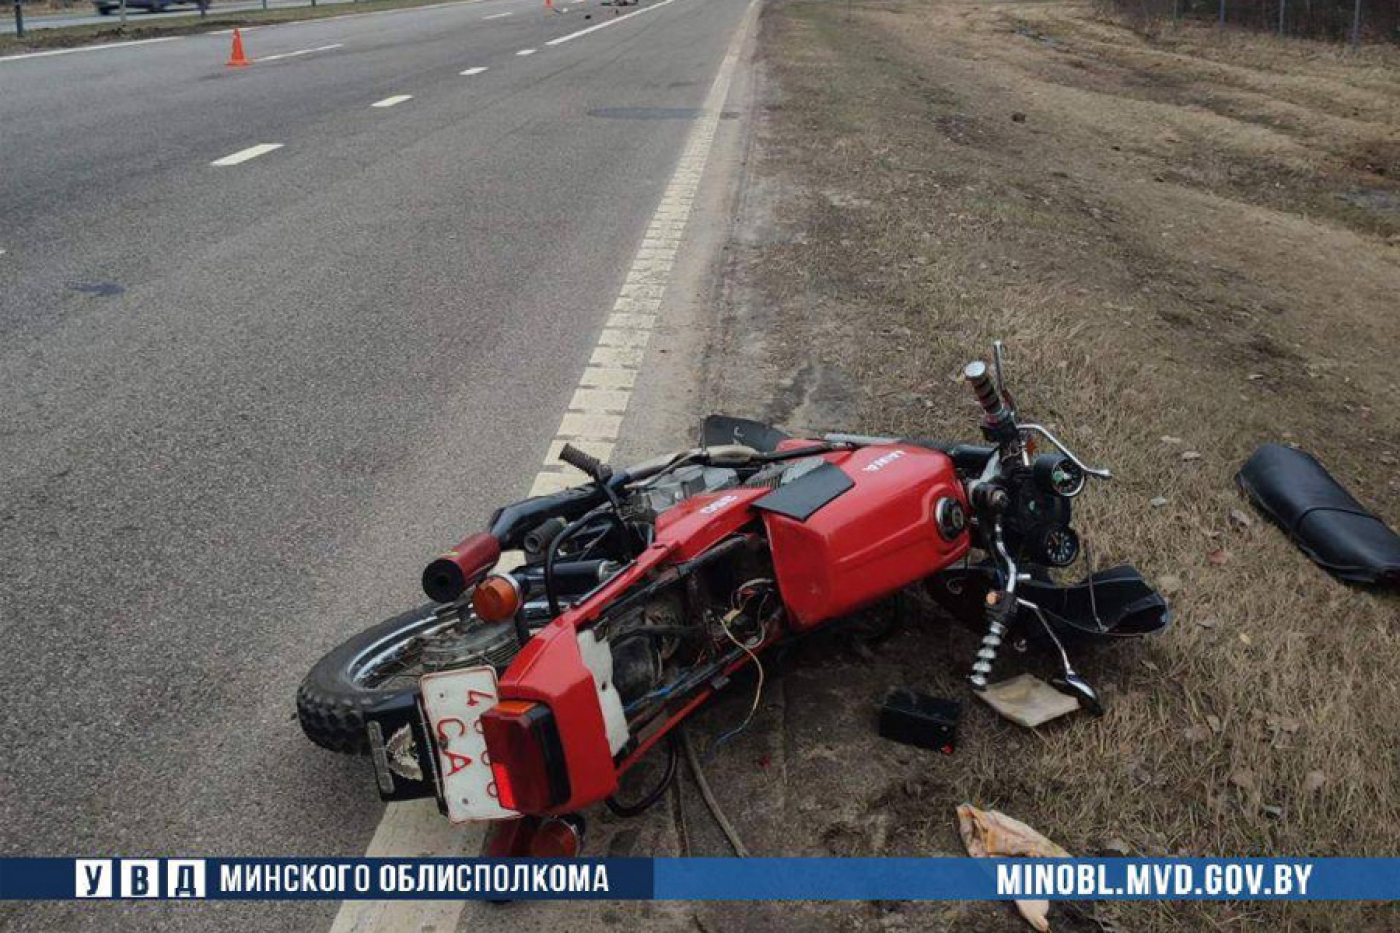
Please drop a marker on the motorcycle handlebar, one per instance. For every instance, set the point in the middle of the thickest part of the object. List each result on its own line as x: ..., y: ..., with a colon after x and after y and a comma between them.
x: 985, y: 389
x: 595, y: 468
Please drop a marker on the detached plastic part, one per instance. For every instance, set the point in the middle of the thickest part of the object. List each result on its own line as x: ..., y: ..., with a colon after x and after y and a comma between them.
x: 1298, y: 494
x: 913, y: 718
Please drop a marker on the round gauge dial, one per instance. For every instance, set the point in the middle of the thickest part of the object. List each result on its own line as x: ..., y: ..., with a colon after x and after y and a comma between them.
x: 1059, y: 475
x: 1059, y: 546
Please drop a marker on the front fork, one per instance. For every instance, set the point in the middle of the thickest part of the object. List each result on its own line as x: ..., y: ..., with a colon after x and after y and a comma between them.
x: 1000, y: 611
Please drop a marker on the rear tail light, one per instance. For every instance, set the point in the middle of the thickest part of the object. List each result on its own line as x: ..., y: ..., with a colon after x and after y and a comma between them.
x: 527, y: 758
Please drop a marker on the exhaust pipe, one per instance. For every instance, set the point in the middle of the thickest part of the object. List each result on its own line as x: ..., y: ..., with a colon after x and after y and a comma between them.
x: 448, y: 577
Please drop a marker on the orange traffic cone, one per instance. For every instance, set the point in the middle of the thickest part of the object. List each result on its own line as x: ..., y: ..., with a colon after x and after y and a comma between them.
x: 236, y: 60
x: 549, y: 4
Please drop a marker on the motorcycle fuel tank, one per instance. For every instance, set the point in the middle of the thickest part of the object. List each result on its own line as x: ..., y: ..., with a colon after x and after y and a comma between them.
x: 875, y: 536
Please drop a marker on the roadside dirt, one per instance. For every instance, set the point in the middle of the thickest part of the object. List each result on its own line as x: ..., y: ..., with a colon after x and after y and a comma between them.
x: 1191, y: 245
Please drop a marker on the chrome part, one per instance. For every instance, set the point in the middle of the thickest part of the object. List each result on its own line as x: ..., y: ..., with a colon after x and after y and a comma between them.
x: 381, y: 762
x: 996, y: 627
x: 1040, y: 429
x: 1012, y: 577
x: 1069, y: 681
x: 384, y: 659
x: 684, y: 482
x: 950, y: 517
x: 403, y: 754
x: 989, y: 472
x: 859, y: 440
x: 998, y: 352
x: 478, y: 643
x: 987, y: 654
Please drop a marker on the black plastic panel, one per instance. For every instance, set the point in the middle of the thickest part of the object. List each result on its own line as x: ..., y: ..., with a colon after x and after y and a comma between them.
x: 801, y: 498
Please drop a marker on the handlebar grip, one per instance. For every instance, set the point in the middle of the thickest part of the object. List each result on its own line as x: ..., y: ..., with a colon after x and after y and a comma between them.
x: 984, y: 388
x: 591, y: 465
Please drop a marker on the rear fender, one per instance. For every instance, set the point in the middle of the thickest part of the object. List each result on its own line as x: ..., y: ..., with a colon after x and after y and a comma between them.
x: 550, y: 670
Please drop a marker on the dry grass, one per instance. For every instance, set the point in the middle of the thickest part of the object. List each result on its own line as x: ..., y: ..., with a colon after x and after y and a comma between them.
x: 1196, y: 238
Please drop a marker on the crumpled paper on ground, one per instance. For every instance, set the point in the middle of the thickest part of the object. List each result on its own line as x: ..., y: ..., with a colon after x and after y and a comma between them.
x: 1027, y: 700
x: 992, y: 834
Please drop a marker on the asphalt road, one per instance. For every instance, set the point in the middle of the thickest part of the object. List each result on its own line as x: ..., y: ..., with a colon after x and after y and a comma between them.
x: 241, y: 404
x: 136, y: 17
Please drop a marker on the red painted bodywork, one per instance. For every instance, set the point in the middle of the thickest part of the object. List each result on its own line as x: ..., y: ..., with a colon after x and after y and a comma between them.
x: 865, y: 544
x: 550, y: 670
x: 870, y: 541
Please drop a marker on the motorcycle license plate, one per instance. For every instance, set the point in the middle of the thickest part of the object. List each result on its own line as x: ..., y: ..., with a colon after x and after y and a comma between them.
x: 454, y: 702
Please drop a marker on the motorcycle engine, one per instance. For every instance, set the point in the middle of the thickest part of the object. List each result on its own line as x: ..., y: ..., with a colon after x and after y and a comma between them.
x: 642, y: 643
x: 685, y: 482
x: 471, y: 644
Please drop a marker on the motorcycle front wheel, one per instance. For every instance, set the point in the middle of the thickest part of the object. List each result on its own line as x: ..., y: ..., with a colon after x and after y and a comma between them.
x: 379, y: 663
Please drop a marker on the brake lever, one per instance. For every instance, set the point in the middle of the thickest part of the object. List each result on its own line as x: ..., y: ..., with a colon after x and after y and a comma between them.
x: 1043, y: 432
x: 998, y: 349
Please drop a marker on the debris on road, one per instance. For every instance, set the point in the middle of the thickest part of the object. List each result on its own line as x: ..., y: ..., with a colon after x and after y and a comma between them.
x: 992, y: 834
x: 1028, y: 701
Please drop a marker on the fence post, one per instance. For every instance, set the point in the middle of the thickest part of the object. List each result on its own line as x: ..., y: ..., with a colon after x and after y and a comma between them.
x: 19, y: 18
x: 1356, y: 25
x: 1282, y: 6
x: 1222, y: 13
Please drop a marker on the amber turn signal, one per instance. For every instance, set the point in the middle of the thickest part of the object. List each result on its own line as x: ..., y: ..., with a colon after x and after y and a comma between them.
x: 496, y: 598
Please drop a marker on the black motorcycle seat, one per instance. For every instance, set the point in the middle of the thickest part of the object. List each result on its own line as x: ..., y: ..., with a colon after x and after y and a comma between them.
x: 1330, y: 526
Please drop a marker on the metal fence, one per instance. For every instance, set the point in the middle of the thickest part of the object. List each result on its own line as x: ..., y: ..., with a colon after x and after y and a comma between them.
x: 1353, y: 21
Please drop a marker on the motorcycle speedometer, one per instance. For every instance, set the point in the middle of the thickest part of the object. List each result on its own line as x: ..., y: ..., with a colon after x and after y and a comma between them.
x: 1058, y: 546
x: 1059, y: 475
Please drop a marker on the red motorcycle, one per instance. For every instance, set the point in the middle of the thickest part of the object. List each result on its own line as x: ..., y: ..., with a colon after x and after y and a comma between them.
x: 583, y: 627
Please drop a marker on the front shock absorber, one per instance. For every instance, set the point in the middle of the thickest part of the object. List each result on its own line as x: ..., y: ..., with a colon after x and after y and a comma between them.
x: 998, y: 614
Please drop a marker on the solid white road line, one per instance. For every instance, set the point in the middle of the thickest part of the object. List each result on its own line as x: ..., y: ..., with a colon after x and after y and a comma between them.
x: 524, y: 52
x: 88, y: 48
x: 243, y: 155
x: 612, y: 22
x: 416, y: 829
x: 391, y: 101
x: 472, y: 71
x: 319, y: 48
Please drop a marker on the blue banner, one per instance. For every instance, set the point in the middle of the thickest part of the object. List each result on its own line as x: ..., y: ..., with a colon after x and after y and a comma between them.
x: 956, y: 879
x: 701, y: 879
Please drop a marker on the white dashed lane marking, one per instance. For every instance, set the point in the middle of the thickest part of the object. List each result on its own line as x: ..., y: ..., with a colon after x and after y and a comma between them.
x: 472, y: 71
x: 416, y: 829
x: 392, y: 101
x: 595, y: 413
x: 498, y: 15
x: 526, y: 52
x: 612, y: 22
x: 86, y: 48
x: 319, y: 48
x: 243, y: 155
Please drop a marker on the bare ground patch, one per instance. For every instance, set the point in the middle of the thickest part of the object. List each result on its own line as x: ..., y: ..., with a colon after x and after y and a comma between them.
x: 1190, y: 237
